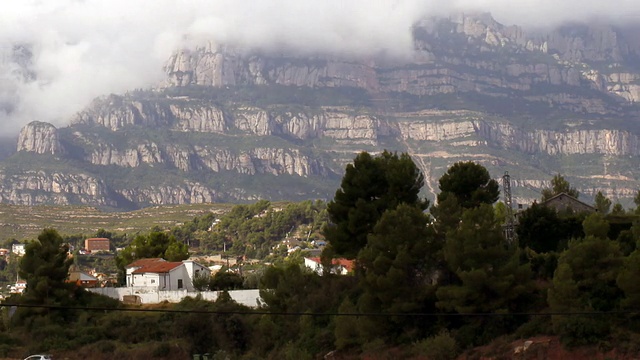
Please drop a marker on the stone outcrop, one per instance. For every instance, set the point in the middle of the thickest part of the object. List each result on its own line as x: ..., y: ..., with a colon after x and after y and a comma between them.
x: 38, y: 187
x: 186, y: 193
x: 41, y: 138
x: 215, y: 159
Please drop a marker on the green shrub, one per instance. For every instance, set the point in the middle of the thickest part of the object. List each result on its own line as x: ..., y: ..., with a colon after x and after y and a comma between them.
x: 438, y: 347
x: 581, y: 330
x: 162, y: 350
x: 5, y: 349
x: 538, y: 325
x: 105, y: 346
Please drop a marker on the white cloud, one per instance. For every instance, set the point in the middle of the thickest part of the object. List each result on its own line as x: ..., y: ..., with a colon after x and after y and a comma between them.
x: 86, y: 48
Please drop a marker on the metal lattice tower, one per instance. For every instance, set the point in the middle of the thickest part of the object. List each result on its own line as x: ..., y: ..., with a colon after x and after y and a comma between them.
x: 509, y: 228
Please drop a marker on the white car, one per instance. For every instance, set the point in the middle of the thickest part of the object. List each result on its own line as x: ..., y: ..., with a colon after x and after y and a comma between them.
x: 39, y: 357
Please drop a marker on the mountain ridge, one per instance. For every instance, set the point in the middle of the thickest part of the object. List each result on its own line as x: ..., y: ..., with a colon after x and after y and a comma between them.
x: 239, y: 125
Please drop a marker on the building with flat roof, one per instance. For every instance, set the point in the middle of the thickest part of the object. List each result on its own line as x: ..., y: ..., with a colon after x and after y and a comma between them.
x: 97, y: 244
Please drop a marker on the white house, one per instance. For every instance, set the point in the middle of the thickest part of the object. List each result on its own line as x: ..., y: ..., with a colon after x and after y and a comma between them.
x: 194, y: 269
x: 339, y: 266
x: 162, y: 275
x: 19, y: 287
x: 18, y: 249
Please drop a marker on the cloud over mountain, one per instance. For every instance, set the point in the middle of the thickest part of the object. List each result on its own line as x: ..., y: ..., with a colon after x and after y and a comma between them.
x: 79, y: 49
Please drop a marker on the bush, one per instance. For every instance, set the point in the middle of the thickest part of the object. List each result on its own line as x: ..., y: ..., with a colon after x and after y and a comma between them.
x: 161, y: 350
x: 538, y: 325
x: 105, y: 346
x: 201, y: 282
x: 439, y: 347
x: 223, y: 280
x: 581, y: 330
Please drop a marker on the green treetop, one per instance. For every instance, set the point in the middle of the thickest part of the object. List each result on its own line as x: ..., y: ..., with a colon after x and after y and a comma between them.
x: 470, y: 184
x: 559, y: 185
x: 157, y: 244
x: 45, y: 267
x: 603, y: 204
x: 371, y: 185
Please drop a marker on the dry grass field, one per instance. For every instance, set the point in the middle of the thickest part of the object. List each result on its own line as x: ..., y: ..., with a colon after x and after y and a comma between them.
x: 26, y: 222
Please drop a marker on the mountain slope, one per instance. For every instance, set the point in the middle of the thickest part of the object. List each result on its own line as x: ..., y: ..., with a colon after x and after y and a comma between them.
x: 234, y: 124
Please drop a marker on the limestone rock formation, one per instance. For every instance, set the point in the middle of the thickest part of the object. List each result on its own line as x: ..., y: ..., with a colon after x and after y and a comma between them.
x: 232, y: 124
x: 37, y: 187
x: 41, y: 138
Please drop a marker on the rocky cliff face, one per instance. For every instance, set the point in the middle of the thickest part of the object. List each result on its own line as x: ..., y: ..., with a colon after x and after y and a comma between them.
x: 224, y: 127
x: 191, y: 158
x: 496, y: 59
x: 41, y: 138
x: 42, y: 187
x: 427, y: 125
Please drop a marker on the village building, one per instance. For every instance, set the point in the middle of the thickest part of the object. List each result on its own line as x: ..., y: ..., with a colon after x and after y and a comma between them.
x: 153, y: 281
x: 18, y: 249
x: 19, y: 287
x: 97, y: 244
x: 81, y: 278
x: 159, y: 274
x: 564, y: 202
x: 339, y: 266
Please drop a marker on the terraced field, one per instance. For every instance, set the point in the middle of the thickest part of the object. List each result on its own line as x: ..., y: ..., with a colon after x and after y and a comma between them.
x: 26, y: 222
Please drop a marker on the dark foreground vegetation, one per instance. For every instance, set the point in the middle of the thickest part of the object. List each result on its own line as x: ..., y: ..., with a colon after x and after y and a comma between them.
x: 426, y: 284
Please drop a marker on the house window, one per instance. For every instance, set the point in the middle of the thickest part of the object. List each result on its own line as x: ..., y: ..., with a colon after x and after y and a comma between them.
x: 179, y: 283
x: 153, y: 281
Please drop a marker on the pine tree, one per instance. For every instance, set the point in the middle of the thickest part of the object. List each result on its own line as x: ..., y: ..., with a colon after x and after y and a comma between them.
x: 398, y: 262
x: 603, y: 204
x: 470, y: 183
x: 45, y: 267
x: 370, y: 186
x: 586, y: 281
x: 559, y: 185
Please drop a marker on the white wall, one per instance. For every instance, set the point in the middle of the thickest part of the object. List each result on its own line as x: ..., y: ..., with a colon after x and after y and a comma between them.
x: 161, y: 281
x: 153, y: 296
x: 179, y: 273
x: 313, y: 265
x: 168, y: 281
x: 193, y: 268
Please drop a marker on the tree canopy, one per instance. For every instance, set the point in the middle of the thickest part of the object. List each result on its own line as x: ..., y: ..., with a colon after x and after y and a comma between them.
x: 603, y: 204
x: 586, y: 281
x: 398, y: 262
x: 45, y: 267
x: 559, y: 185
x: 370, y: 186
x: 470, y: 183
x: 156, y: 244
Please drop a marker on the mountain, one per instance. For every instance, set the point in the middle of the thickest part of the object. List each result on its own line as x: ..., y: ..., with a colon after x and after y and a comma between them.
x: 232, y: 124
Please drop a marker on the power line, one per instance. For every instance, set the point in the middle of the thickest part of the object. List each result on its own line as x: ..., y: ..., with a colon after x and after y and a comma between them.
x: 280, y: 313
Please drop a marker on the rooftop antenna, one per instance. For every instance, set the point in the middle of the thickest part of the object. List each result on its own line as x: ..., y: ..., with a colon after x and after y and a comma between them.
x: 509, y: 228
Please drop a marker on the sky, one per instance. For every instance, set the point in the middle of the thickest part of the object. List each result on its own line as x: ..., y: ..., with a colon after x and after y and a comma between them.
x: 83, y: 49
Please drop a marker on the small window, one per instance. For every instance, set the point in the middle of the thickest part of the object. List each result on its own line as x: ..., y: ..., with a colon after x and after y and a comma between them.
x: 153, y: 281
x: 179, y: 283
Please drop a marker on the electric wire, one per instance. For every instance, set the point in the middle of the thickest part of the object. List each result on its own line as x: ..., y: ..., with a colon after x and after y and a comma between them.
x: 315, y: 314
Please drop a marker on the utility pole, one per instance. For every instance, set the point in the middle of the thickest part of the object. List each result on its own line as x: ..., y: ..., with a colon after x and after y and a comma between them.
x: 509, y: 227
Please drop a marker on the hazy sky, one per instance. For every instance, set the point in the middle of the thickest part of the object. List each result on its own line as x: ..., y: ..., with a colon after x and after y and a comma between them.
x: 87, y: 48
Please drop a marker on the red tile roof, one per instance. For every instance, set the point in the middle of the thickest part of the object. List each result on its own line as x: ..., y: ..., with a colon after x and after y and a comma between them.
x: 144, y: 262
x: 157, y: 267
x: 347, y: 264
